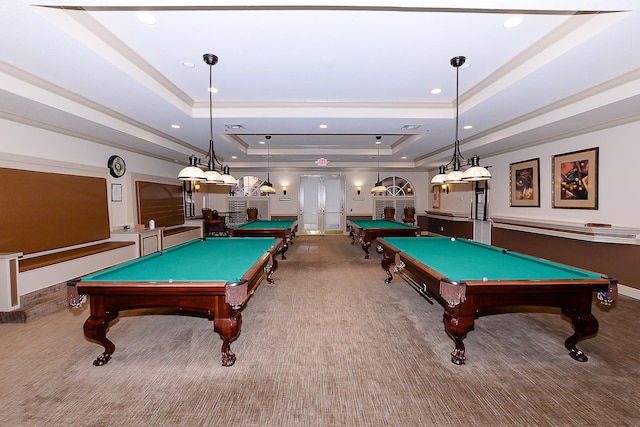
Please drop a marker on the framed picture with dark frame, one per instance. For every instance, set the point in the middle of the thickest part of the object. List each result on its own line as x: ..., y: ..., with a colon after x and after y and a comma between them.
x: 525, y: 183
x: 575, y: 179
x: 435, y: 196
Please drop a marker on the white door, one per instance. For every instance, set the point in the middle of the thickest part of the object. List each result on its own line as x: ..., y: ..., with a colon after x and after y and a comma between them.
x: 322, y: 204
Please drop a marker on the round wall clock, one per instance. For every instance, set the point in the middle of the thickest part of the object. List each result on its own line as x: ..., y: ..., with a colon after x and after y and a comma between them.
x: 116, y: 165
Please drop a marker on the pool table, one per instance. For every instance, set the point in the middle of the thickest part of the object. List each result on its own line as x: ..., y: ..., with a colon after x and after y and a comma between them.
x: 284, y: 229
x: 213, y: 277
x: 369, y: 229
x: 469, y: 279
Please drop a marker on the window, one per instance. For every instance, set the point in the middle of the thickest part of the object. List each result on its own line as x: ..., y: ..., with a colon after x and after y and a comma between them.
x: 248, y: 186
x: 399, y: 195
x: 398, y: 187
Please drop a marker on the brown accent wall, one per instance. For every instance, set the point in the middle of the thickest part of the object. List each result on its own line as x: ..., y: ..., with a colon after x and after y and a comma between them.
x: 423, y: 222
x: 285, y: 217
x: 611, y: 259
x: 43, y: 211
x: 357, y: 217
x: 446, y: 227
x: 162, y: 203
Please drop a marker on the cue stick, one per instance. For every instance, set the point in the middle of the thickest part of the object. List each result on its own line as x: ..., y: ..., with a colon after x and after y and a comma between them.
x: 422, y: 289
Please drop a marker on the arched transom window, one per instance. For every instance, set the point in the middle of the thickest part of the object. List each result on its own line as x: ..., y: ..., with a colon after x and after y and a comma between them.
x: 398, y: 187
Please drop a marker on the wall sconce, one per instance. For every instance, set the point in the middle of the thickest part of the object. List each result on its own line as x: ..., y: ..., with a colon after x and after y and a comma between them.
x: 445, y: 188
x: 358, y: 189
x: 197, y: 187
x: 284, y: 190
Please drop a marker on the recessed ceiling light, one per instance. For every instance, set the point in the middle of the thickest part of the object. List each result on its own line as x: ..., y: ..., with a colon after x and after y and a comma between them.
x: 468, y: 127
x: 261, y: 142
x: 233, y: 126
x: 175, y: 126
x: 146, y: 18
x: 323, y: 126
x: 410, y: 127
x: 213, y: 90
x: 403, y: 157
x: 189, y: 64
x: 513, y: 21
x: 436, y: 91
x: 234, y: 157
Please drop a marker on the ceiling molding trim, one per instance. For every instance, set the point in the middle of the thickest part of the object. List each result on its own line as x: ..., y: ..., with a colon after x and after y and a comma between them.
x: 464, y: 6
x: 32, y: 87
x: 552, y: 46
x: 317, y: 109
x: 615, y: 90
x: 63, y: 131
x: 87, y: 30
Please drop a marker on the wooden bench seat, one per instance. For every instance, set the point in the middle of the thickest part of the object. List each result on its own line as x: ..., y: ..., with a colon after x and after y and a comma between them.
x: 178, y: 235
x: 177, y: 230
x: 67, y: 255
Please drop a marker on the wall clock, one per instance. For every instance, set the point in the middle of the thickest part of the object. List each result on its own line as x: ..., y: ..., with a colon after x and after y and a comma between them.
x: 116, y: 165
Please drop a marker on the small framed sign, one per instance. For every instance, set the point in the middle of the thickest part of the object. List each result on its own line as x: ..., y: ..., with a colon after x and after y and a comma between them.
x: 116, y: 192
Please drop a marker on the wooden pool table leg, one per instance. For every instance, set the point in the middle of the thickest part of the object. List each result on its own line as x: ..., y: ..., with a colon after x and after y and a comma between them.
x: 366, y: 244
x: 457, y: 328
x: 285, y: 246
x: 386, y: 264
x: 95, y: 329
x: 227, y: 323
x: 271, y: 268
x: 585, y: 325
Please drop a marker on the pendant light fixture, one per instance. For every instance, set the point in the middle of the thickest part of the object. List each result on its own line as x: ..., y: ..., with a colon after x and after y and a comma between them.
x: 378, y: 187
x: 191, y: 172
x: 267, y: 187
x: 457, y: 175
x: 211, y: 175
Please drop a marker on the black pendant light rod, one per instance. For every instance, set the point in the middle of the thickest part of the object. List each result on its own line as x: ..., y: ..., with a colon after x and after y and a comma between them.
x: 457, y: 62
x: 210, y: 59
x: 378, y: 138
x: 268, y: 137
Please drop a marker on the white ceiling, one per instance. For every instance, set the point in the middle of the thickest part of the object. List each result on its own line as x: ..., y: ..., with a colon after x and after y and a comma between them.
x: 91, y: 69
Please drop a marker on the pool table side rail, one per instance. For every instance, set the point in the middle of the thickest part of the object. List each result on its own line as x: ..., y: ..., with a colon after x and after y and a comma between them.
x: 253, y: 277
x: 455, y: 292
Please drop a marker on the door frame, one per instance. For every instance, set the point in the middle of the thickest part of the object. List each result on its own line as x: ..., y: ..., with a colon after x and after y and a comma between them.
x: 322, y: 223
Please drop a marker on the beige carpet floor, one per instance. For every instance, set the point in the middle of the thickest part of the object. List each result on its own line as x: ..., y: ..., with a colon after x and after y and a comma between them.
x: 329, y: 344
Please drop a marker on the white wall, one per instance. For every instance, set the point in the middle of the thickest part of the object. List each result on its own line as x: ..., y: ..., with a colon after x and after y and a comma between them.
x: 353, y: 203
x: 618, y: 201
x: 20, y: 143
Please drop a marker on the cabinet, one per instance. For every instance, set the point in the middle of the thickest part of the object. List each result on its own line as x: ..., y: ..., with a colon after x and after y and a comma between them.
x: 148, y: 241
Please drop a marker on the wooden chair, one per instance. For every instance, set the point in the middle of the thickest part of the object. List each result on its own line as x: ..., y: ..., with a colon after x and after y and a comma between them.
x: 409, y: 215
x: 390, y: 214
x: 252, y: 214
x: 214, y: 224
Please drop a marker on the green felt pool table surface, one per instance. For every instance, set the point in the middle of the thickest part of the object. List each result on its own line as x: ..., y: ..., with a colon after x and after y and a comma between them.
x: 212, y: 278
x: 462, y: 259
x: 282, y: 228
x: 276, y: 224
x: 381, y: 223
x: 369, y: 229
x: 194, y: 261
x: 471, y: 279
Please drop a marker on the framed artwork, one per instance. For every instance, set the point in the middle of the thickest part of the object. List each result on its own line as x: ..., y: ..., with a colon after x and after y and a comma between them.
x: 435, y: 196
x: 575, y: 179
x: 525, y: 183
x: 116, y: 192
